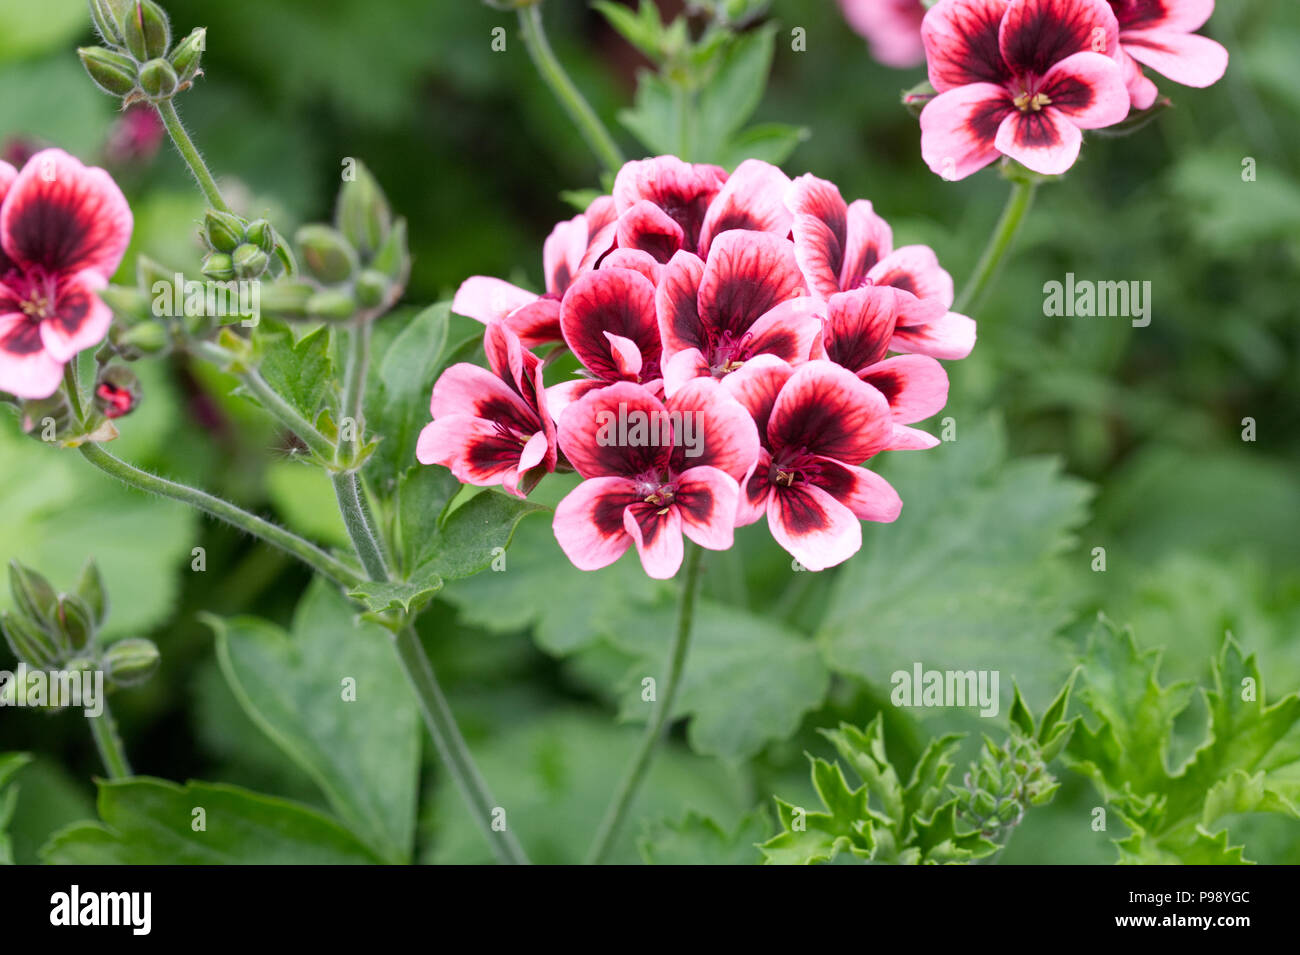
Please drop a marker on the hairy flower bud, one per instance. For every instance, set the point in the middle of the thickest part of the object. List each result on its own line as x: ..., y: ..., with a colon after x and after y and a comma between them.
x: 261, y: 234
x: 146, y: 30
x: 131, y: 662
x: 363, y: 215
x: 189, y: 53
x: 29, y: 643
x: 91, y: 589
x: 113, y: 73
x: 326, y: 254
x: 74, y: 622
x: 332, y: 305
x: 286, y: 299
x: 371, y: 287
x: 222, y: 231
x: 33, y: 595
x: 158, y: 79
x: 249, y: 261
x: 117, y: 392
x: 219, y: 267
x: 101, y: 12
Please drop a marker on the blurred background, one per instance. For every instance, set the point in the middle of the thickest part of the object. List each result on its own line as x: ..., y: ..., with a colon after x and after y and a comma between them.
x: 1201, y: 528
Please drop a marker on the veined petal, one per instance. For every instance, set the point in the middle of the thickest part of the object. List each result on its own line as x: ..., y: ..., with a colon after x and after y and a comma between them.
x: 1142, y: 92
x: 537, y: 323
x: 756, y: 386
x: 788, y: 331
x: 753, y: 199
x: 910, y: 439
x: 80, y: 319
x: 870, y: 239
x: 961, y: 43
x: 1182, y: 16
x: 812, y: 526
x: 466, y: 389
x: 1046, y: 141
x: 950, y: 337
x: 864, y: 492
x: 916, y: 386
x: 677, y: 303
x: 1089, y: 89
x: 27, y: 370
x: 914, y: 269
x: 747, y: 274
x: 475, y: 450
x: 637, y: 261
x: 753, y: 499
x: 564, y: 393
x: 859, y: 325
x: 707, y: 500
x: 683, y: 190
x: 597, y: 433
x: 1037, y: 34
x: 588, y: 523
x: 657, y: 533
x: 1185, y: 58
x: 486, y: 299
x: 618, y: 301
x: 683, y: 367
x: 829, y: 411
x: 562, y: 253
x: 715, y: 429
x: 959, y: 128
x: 627, y: 357
x: 648, y: 228
x: 820, y: 225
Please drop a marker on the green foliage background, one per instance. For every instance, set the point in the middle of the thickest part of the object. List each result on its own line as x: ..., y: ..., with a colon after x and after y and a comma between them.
x: 1072, y: 434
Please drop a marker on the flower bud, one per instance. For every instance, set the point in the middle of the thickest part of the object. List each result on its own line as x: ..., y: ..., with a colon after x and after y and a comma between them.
x: 117, y: 392
x: 332, y: 305
x: 222, y: 231
x: 158, y: 79
x: 33, y: 595
x: 37, y: 415
x: 113, y: 73
x: 326, y: 254
x: 219, y: 267
x: 29, y: 643
x: 131, y: 662
x: 261, y: 234
x: 91, y: 589
x: 74, y: 622
x: 393, y: 257
x: 188, y: 54
x: 101, y: 12
x: 146, y: 32
x: 363, y: 215
x: 372, y: 287
x: 249, y: 261
x: 147, y: 338
x: 286, y: 299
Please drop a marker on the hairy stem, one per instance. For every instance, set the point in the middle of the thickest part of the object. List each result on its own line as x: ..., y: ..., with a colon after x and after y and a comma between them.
x: 579, y: 110
x: 347, y: 484
x: 361, y: 529
x: 104, y: 729
x: 616, y: 815
x: 307, y: 552
x: 456, y: 758
x: 190, y: 153
x: 1013, y: 216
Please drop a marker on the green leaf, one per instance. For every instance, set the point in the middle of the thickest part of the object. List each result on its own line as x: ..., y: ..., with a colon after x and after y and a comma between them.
x: 331, y: 694
x: 731, y: 95
x: 415, y: 351
x: 401, y: 596
x: 971, y: 575
x: 10, y: 764
x: 749, y: 680
x: 305, y: 499
x: 300, y: 372
x: 148, y: 821
x: 770, y: 142
x: 643, y: 29
x: 698, y: 840
x: 472, y: 536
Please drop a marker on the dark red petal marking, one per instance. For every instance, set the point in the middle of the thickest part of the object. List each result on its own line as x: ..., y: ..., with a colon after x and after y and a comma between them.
x: 961, y: 43
x: 677, y: 303
x: 23, y: 338
x: 619, y: 301
x: 1037, y: 34
x: 801, y: 512
x: 1069, y: 93
x: 1035, y: 130
x: 747, y: 274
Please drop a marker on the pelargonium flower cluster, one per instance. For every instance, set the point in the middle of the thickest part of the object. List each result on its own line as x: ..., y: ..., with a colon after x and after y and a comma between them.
x: 747, y: 344
x: 1023, y: 78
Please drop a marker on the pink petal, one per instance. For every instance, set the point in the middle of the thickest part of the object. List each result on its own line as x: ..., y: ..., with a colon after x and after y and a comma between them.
x: 910, y: 439
x: 1141, y: 90
x: 916, y: 386
x: 683, y: 367
x: 753, y: 501
x: 707, y: 500
x: 619, y: 301
x: 812, y: 526
x: 63, y: 217
x: 80, y: 320
x: 959, y: 129
x: 562, y: 254
x: 961, y: 43
x: 474, y: 449
x: 859, y: 325
x: 829, y: 411
x: 914, y: 269
x: 1182, y: 16
x: 870, y: 239
x: 465, y: 389
x: 756, y: 386
x: 1045, y: 141
x: 1089, y: 89
x: 869, y: 496
x: 891, y: 26
x: 27, y: 370
x: 627, y: 357
x: 651, y: 230
x: 592, y: 435
x: 788, y: 331
x: 753, y: 199
x: 820, y: 226
x: 636, y: 260
x: 718, y: 431
x: 657, y: 533
x: 950, y: 337
x: 1037, y: 34
x: 676, y: 303
x: 681, y: 189
x: 588, y: 523
x: 562, y: 394
x: 601, y: 212
x: 1185, y: 58
x: 747, y: 274
x: 487, y: 299
x: 537, y: 323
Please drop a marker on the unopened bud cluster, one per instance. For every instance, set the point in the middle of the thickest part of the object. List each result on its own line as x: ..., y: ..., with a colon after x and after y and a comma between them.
x: 137, y: 61
x: 239, y: 249
x: 355, y: 267
x: 1002, y: 784
x: 48, y: 630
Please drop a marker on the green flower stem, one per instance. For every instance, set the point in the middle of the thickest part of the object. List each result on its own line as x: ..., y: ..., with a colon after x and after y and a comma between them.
x: 1013, y: 216
x: 354, y: 389
x: 347, y: 484
x: 616, y: 815
x: 271, y: 400
x: 73, y: 388
x: 452, y: 747
x: 190, y: 153
x: 579, y: 110
x: 307, y: 552
x: 104, y: 728
x: 361, y: 529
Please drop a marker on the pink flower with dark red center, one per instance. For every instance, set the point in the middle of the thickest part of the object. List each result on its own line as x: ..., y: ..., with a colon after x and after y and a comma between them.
x: 608, y: 322
x: 891, y: 27
x: 655, y: 471
x: 1020, y: 78
x: 1161, y: 34
x: 63, y: 231
x: 665, y: 205
x: 817, y: 424
x: 572, y: 249
x: 858, y: 330
x: 841, y: 247
x: 135, y: 136
x: 748, y: 299
x: 490, y: 427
